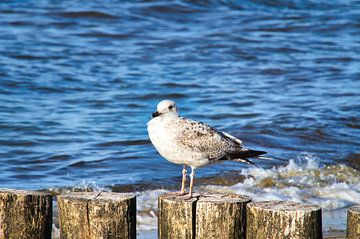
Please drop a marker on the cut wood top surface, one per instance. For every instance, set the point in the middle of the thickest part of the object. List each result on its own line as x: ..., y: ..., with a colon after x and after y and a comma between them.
x: 208, y: 197
x: 223, y: 197
x: 22, y: 192
x: 102, y: 196
x: 283, y: 206
x: 355, y: 208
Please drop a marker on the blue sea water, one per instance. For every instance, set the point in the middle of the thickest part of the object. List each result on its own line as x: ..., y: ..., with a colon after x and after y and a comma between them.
x: 80, y: 79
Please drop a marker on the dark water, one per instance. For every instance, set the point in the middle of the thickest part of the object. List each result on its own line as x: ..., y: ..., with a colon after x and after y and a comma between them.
x: 79, y: 80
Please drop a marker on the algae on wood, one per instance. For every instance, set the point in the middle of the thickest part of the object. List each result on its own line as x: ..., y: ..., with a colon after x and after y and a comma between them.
x: 283, y: 219
x: 25, y: 214
x: 91, y: 215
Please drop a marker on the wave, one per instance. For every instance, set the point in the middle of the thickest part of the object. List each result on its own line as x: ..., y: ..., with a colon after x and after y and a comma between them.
x: 87, y: 14
x: 304, y: 180
x: 276, y: 4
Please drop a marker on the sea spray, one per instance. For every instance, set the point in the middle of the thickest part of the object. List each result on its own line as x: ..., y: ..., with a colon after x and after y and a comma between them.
x: 332, y: 187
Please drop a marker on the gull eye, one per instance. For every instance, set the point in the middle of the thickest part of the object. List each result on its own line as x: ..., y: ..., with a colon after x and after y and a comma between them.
x: 170, y: 107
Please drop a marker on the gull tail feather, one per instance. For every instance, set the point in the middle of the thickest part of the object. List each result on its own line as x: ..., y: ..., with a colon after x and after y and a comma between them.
x: 242, y: 156
x: 247, y: 161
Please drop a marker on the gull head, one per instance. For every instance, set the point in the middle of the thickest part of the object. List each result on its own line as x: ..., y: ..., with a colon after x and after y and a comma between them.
x: 166, y: 107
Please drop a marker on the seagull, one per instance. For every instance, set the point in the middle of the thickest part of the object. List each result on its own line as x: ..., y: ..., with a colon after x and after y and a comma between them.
x: 190, y: 143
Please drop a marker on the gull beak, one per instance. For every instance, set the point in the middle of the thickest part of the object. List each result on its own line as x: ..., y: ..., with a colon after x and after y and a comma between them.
x: 155, y: 114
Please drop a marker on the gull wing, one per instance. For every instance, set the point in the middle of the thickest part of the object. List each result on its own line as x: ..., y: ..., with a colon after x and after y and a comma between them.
x: 202, y: 138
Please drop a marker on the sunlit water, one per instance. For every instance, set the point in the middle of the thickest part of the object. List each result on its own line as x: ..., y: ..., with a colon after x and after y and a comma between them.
x: 79, y: 80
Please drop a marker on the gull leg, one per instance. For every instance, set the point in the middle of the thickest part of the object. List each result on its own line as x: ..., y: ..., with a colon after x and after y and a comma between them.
x: 192, y: 176
x: 184, y: 171
x: 182, y: 192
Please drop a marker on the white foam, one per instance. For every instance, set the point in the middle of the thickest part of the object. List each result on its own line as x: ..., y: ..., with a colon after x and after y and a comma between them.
x: 302, y: 180
x: 309, y: 183
x: 55, y: 232
x: 147, y: 205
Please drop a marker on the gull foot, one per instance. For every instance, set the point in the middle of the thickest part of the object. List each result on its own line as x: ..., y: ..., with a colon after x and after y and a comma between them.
x: 187, y: 196
x: 177, y: 193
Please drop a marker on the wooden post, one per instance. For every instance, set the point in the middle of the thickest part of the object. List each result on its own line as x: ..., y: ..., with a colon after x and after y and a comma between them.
x: 91, y: 215
x: 203, y: 216
x: 25, y: 214
x: 221, y: 216
x: 283, y: 219
x: 353, y: 222
x: 176, y: 217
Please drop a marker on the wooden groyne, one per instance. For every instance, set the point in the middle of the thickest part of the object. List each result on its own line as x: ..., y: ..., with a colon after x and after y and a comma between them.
x: 283, y: 219
x: 353, y: 222
x: 204, y: 216
x: 25, y: 214
x: 97, y: 215
x: 28, y: 214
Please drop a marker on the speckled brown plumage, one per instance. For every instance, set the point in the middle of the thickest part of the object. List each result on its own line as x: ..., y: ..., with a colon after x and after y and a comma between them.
x: 203, y: 138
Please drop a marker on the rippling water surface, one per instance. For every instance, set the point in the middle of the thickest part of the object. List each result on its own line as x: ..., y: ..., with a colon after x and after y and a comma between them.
x: 79, y: 80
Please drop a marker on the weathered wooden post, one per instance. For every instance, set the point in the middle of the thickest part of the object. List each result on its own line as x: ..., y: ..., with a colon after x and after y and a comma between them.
x: 353, y: 222
x: 283, y: 219
x: 204, y: 216
x: 25, y: 214
x: 176, y: 217
x: 91, y: 215
x: 221, y: 216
